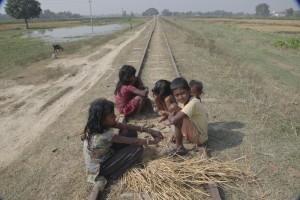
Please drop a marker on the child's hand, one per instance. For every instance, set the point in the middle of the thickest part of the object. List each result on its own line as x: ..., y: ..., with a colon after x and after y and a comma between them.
x: 156, y: 140
x: 167, y: 122
x: 164, y: 113
x: 156, y: 134
x: 162, y: 118
x: 146, y: 91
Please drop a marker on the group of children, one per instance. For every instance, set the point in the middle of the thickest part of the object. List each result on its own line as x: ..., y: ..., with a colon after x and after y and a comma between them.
x: 108, y: 154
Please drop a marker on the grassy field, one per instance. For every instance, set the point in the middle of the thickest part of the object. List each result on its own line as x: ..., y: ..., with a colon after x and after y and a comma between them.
x: 18, y: 53
x: 252, y: 94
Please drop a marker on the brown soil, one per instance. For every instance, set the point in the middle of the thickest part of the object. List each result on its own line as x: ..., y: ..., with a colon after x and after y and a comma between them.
x: 32, y: 121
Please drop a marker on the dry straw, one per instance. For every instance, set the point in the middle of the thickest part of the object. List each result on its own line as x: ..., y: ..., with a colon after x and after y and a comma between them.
x: 179, y: 178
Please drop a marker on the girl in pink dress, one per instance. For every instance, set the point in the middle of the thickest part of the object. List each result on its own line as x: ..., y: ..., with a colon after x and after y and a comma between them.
x: 129, y: 99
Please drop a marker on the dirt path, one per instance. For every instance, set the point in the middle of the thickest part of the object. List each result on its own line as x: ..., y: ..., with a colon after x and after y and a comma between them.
x: 34, y: 108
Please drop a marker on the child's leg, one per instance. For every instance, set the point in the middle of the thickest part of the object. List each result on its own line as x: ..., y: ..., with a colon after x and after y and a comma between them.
x: 190, y: 131
x: 158, y: 103
x: 178, y: 134
x: 119, y: 163
x: 149, y: 106
x: 118, y: 146
x: 142, y: 102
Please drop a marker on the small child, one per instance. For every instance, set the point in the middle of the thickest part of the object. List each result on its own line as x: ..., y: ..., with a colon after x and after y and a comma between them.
x: 129, y: 99
x: 196, y: 88
x: 191, y: 121
x: 163, y: 97
x: 104, y: 158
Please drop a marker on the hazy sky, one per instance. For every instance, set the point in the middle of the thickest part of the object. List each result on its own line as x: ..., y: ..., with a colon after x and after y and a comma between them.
x: 138, y: 6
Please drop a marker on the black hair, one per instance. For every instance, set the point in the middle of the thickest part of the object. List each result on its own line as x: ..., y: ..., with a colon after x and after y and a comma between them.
x: 125, y: 72
x: 179, y: 83
x: 99, y: 110
x: 198, y: 85
x: 162, y: 88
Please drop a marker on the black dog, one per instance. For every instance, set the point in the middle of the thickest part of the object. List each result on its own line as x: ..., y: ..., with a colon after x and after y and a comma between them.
x: 57, y: 48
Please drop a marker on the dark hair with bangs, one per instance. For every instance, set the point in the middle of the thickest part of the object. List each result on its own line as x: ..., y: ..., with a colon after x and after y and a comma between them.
x: 162, y: 88
x: 99, y: 110
x: 179, y: 83
x: 125, y: 72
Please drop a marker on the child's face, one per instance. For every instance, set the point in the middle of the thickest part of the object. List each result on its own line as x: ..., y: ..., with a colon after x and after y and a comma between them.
x: 131, y: 79
x: 181, y: 95
x: 109, y: 120
x: 195, y: 91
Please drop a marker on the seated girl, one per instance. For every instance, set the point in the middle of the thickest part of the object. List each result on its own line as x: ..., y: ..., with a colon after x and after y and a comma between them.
x: 129, y: 99
x: 163, y: 98
x: 107, y: 154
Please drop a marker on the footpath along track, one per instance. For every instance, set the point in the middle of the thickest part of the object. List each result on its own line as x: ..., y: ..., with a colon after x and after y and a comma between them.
x: 157, y: 62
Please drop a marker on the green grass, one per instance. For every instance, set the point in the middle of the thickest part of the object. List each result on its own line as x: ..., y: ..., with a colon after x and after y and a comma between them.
x: 254, y: 83
x: 288, y: 43
x: 18, y: 53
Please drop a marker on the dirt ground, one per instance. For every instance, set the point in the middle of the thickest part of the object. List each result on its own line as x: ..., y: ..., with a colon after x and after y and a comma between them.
x: 27, y: 112
x: 41, y: 123
x: 40, y: 147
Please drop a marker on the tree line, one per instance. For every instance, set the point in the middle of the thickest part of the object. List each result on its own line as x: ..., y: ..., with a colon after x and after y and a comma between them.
x: 27, y: 9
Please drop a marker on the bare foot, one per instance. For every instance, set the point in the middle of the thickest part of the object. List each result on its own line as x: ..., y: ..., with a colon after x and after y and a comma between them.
x: 172, y: 139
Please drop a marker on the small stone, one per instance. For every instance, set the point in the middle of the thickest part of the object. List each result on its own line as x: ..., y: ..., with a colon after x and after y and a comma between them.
x: 54, y: 150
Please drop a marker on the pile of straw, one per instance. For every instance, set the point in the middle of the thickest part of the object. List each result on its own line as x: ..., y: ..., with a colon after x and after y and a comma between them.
x: 179, y: 178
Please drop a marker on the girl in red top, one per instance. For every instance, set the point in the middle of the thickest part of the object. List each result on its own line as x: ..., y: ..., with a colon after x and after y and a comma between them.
x: 128, y: 98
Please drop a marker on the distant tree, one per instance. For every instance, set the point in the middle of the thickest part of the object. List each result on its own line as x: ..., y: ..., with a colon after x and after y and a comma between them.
x: 4, y: 17
x: 166, y: 12
x: 47, y: 14
x: 297, y: 13
x: 190, y: 13
x: 132, y: 14
x: 289, y: 12
x: 23, y: 9
x: 262, y: 9
x: 150, y: 12
x: 176, y: 13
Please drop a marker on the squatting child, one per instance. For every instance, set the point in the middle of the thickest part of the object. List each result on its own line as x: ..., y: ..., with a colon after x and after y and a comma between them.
x: 163, y: 98
x: 129, y: 99
x: 190, y: 119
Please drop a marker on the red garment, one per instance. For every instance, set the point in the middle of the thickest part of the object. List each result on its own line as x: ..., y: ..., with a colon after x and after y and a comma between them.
x: 126, y: 98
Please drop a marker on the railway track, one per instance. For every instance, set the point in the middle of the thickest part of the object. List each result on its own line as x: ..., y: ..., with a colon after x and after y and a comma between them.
x: 159, y: 63
x: 154, y: 60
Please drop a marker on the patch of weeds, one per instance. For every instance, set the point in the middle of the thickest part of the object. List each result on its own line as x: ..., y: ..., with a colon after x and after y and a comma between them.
x: 54, y: 73
x: 208, y: 44
x: 288, y: 43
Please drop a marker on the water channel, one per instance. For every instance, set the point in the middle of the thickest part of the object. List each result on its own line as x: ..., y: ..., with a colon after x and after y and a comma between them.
x: 66, y: 34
